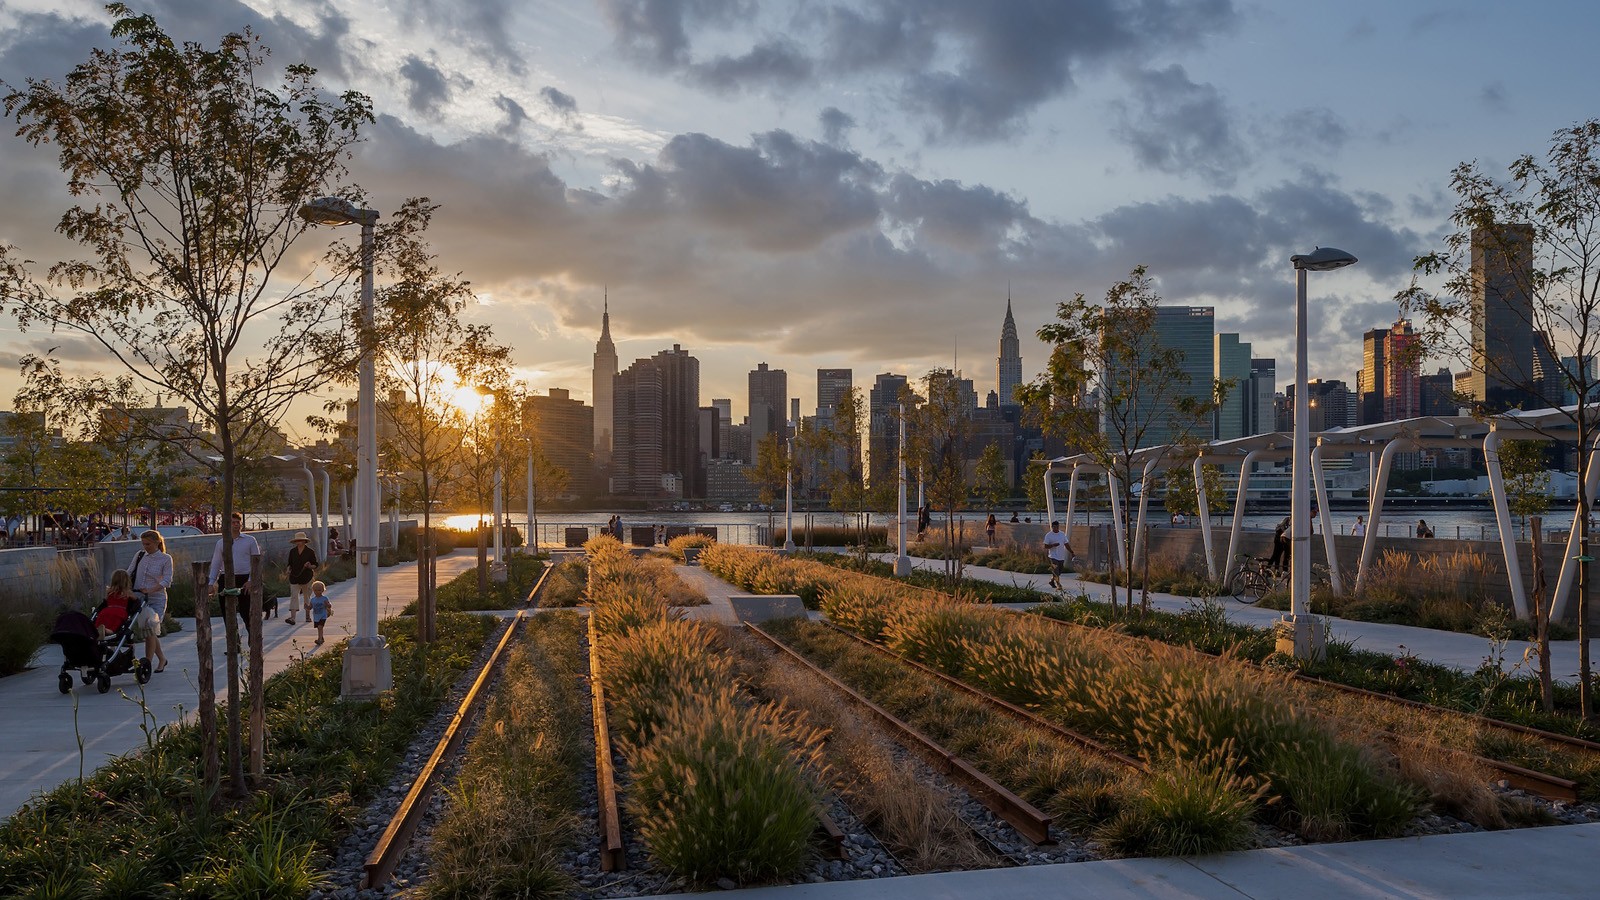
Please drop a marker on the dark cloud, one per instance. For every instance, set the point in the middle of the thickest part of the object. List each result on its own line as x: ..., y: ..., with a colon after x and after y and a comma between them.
x: 1493, y: 97
x: 428, y: 90
x: 836, y: 124
x: 558, y: 101
x: 974, y: 219
x: 516, y: 116
x: 1314, y: 130
x: 484, y: 24
x: 973, y: 70
x: 1176, y: 126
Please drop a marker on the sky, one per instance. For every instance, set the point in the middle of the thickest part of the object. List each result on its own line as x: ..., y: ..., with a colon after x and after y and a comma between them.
x: 860, y: 183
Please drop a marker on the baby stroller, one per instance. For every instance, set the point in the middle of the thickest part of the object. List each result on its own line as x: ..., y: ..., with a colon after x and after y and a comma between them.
x: 97, y: 660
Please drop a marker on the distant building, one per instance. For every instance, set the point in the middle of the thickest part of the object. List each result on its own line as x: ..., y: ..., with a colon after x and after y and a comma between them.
x: 724, y: 408
x: 883, y: 442
x: 769, y: 400
x: 605, y: 374
x: 1390, y: 382
x: 1008, y: 368
x: 1438, y: 395
x: 1191, y: 331
x: 656, y: 426
x: 1512, y: 363
x: 1232, y: 361
x: 1259, y: 392
x: 564, y: 430
x: 832, y: 385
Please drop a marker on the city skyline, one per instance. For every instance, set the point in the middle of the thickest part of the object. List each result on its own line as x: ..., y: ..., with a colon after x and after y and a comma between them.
x: 857, y: 206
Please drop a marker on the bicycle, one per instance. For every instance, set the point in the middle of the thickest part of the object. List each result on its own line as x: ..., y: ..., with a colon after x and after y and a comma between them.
x: 1253, y: 578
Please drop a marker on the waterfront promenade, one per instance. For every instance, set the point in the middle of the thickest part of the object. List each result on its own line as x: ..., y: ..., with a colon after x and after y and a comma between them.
x: 42, y: 726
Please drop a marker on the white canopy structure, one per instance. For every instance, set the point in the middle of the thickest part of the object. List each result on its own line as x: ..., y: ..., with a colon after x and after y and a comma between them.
x: 1380, y: 442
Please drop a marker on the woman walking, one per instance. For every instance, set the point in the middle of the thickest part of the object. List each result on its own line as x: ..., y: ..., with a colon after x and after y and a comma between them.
x: 152, y: 575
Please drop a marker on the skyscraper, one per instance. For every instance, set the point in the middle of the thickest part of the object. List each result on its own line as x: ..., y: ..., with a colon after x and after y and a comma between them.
x: 1260, y: 392
x: 1232, y: 361
x: 883, y: 441
x: 769, y: 401
x: 564, y: 428
x: 656, y: 416
x: 1008, y: 369
x: 832, y: 384
x: 1191, y: 331
x: 1388, y: 386
x: 1512, y: 363
x: 605, y: 374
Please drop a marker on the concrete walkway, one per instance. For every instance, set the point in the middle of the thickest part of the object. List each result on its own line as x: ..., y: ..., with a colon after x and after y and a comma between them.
x: 1465, y: 652
x: 39, y: 749
x: 1525, y: 863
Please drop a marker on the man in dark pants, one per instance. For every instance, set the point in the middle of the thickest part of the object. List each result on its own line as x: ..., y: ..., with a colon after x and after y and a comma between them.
x: 1280, y: 546
x: 244, y: 548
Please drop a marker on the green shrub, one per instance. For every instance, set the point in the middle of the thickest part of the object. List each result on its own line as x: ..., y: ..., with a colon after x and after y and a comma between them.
x: 1185, y: 810
x: 21, y: 636
x: 723, y: 791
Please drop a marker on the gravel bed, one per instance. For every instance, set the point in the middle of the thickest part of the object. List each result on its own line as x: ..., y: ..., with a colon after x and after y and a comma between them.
x: 344, y: 879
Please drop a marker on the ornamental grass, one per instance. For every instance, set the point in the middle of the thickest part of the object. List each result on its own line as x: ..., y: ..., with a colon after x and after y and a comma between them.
x: 722, y: 786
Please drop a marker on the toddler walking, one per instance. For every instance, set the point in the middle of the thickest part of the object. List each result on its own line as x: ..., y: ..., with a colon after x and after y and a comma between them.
x: 321, y: 607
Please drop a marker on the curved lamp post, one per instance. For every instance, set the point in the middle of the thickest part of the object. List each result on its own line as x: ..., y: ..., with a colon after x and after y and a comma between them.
x: 367, y: 671
x: 1306, y: 639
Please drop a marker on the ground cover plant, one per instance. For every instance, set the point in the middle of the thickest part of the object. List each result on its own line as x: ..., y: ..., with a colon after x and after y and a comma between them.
x: 682, y: 542
x: 1010, y: 559
x: 514, y: 808
x: 722, y: 786
x: 567, y: 586
x: 143, y: 826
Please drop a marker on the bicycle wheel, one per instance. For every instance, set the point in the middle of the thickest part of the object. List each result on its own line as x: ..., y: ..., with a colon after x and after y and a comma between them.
x: 1236, y: 582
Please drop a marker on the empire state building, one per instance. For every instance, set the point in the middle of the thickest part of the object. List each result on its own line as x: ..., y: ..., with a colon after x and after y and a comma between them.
x: 605, y: 375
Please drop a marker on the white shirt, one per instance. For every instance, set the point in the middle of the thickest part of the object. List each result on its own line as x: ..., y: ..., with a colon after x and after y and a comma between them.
x: 244, y: 547
x: 1360, y: 529
x: 1055, y: 544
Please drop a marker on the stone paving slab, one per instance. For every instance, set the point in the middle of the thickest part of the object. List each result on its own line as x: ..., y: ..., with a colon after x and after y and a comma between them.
x: 38, y: 736
x: 1552, y: 863
x: 1464, y: 652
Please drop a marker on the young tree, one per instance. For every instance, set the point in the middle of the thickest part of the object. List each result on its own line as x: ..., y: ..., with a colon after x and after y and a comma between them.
x: 194, y: 168
x: 939, y: 425
x: 846, y: 481
x: 1527, y: 246
x: 769, y: 473
x: 1112, y: 350
x: 992, y: 485
x: 1527, y: 481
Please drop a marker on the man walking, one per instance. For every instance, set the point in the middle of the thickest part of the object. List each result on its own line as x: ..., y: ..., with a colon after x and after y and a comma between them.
x: 244, y: 547
x: 1056, y: 549
x: 302, y: 564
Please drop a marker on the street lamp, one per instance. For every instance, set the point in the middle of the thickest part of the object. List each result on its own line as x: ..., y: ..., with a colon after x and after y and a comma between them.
x: 902, y: 562
x: 497, y: 571
x: 367, y: 670
x: 788, y: 499
x: 1307, y: 641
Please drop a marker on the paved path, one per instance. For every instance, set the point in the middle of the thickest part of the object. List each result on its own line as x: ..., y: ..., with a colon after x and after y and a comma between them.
x: 1524, y: 863
x: 716, y: 590
x: 1465, y: 652
x: 39, y: 749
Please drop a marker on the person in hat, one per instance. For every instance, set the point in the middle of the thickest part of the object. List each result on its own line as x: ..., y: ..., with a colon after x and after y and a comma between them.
x: 302, y: 571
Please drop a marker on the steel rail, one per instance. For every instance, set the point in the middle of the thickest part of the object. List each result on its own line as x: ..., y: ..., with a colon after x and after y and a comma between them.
x: 1022, y: 815
x: 385, y: 855
x: 612, y: 856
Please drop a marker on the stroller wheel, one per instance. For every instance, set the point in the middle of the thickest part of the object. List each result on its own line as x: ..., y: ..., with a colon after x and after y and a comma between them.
x: 142, y: 671
x: 103, y: 683
x: 65, y: 683
x: 88, y: 677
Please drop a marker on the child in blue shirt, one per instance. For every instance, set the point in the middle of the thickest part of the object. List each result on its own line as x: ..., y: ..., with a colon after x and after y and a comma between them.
x: 321, y: 607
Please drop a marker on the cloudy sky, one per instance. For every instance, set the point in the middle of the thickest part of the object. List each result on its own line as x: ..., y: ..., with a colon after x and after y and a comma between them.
x: 854, y: 183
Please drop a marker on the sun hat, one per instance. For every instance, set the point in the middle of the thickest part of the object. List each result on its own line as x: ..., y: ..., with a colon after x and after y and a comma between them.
x: 299, y: 536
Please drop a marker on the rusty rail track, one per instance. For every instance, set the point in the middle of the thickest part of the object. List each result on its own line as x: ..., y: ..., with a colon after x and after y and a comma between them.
x: 539, y: 584
x: 396, y: 838
x: 612, y: 855
x: 1022, y: 815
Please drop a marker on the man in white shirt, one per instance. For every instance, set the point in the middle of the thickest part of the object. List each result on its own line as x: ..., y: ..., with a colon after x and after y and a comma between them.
x: 244, y: 547
x: 1361, y: 526
x: 1057, y: 549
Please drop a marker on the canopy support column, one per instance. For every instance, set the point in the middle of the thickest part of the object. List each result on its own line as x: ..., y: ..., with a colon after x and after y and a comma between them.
x: 1202, y: 504
x: 1375, y: 508
x: 1238, y: 516
x: 1569, y: 565
x: 1326, y: 518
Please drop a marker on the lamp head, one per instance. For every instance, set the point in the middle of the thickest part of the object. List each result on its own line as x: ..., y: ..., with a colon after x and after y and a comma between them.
x: 336, y: 211
x: 1322, y: 259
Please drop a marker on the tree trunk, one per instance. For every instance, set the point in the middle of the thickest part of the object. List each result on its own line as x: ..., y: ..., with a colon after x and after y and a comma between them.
x: 424, y: 614
x: 206, y: 679
x: 1541, y: 617
x: 483, y: 560
x: 230, y: 627
x: 258, y: 696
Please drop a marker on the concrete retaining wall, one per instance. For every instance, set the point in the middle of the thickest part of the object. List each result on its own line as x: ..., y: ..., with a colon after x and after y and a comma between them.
x: 45, y: 573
